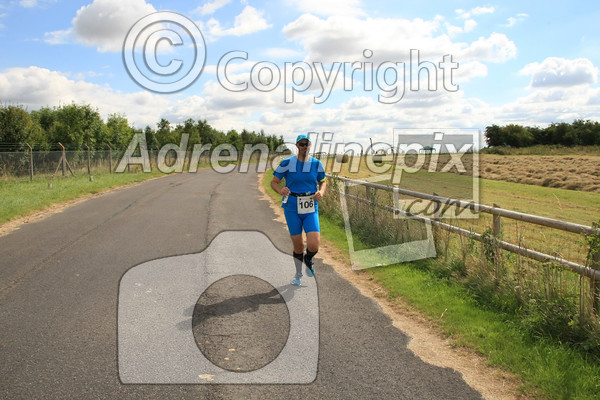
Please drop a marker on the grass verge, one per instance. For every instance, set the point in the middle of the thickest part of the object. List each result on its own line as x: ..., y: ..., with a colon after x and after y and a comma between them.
x: 20, y: 196
x: 547, y: 369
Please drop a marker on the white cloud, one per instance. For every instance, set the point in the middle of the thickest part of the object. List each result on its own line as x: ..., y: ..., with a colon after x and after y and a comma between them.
x: 329, y: 7
x: 551, y: 104
x: 390, y: 39
x: 470, y: 24
x: 249, y: 21
x: 36, y: 87
x: 470, y: 70
x: 59, y: 37
x: 103, y: 24
x: 560, y: 72
x: 496, y: 48
x: 211, y: 7
x: 474, y: 11
x: 283, y: 53
x: 32, y: 3
x: 453, y: 30
x: 28, y: 3
x: 345, y: 38
x: 512, y: 21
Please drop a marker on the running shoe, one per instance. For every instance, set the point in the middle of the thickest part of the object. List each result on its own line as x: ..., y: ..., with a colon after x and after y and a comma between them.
x: 297, y: 280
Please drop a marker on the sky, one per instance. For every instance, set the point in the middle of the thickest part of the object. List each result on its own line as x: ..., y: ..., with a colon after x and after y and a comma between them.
x: 355, y: 68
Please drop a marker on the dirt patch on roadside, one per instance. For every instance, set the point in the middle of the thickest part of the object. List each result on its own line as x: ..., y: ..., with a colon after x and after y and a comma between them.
x: 426, y: 341
x: 37, y: 216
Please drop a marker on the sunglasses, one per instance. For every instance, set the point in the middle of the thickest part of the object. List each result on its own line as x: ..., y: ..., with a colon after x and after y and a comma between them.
x: 302, y: 144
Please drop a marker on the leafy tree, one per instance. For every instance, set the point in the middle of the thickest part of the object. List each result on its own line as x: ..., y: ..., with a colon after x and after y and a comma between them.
x: 558, y: 132
x: 75, y: 125
x: 517, y: 136
x: 17, y: 127
x: 235, y: 139
x: 191, y: 128
x: 163, y: 133
x: 151, y: 140
x: 119, y: 133
x: 493, y: 136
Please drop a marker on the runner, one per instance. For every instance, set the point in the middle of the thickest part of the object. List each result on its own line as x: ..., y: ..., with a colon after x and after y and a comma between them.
x: 304, y: 186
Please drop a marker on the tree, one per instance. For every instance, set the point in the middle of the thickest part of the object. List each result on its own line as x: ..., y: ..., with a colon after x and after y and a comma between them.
x: 517, y: 136
x: 75, y: 125
x: 558, y: 133
x: 17, y: 127
x: 119, y: 133
x: 191, y: 128
x: 163, y: 133
x: 151, y: 141
x: 234, y: 138
x: 493, y: 136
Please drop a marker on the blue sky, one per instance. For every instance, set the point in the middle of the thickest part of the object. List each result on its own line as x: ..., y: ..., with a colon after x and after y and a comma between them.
x: 526, y: 62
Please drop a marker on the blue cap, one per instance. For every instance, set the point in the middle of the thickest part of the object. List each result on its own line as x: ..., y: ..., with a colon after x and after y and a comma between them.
x: 302, y: 136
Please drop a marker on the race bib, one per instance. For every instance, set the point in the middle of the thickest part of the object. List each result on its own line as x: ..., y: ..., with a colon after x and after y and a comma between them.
x: 306, y: 205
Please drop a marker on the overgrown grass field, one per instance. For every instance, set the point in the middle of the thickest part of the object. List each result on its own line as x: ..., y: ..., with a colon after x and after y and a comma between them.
x: 521, y: 315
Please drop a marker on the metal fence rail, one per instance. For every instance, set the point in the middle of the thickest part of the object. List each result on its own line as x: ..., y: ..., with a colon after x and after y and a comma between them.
x: 592, y: 271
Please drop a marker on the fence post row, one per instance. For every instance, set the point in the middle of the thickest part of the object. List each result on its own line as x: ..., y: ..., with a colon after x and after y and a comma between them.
x: 62, y: 164
x: 592, y: 271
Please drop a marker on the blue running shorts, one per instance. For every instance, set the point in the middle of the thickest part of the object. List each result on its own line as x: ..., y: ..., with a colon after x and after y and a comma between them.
x: 295, y: 222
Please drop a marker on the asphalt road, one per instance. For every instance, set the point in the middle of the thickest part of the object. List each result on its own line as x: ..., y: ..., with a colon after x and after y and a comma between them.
x: 178, y: 288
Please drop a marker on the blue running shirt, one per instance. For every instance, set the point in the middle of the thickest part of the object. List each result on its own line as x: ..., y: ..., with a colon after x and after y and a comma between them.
x: 300, y: 177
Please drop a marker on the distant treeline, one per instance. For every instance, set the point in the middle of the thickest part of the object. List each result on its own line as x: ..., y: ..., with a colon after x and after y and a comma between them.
x: 579, y: 133
x: 75, y: 126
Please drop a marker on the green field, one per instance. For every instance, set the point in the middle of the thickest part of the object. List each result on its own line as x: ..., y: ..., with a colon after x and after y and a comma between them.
x: 547, y: 367
x: 20, y: 196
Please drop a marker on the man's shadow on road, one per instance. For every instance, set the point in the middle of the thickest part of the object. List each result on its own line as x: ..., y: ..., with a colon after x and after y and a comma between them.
x: 235, y: 305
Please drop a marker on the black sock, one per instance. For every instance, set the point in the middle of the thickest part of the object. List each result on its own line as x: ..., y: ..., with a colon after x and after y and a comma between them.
x: 310, y: 254
x: 298, y: 258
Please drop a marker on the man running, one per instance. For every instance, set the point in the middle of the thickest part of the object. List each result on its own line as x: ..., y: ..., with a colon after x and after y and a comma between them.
x: 304, y: 186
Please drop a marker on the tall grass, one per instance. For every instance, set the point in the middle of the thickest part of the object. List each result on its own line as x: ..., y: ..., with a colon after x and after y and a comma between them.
x: 20, y: 196
x: 551, y: 301
x: 544, y: 150
x: 519, y: 314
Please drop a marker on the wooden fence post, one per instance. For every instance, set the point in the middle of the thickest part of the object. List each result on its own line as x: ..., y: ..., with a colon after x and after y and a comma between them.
x: 497, y: 228
x: 64, y: 163
x: 88, y: 159
x: 595, y: 265
x: 109, y: 158
x: 63, y: 158
x: 437, y: 211
x: 595, y: 285
x: 30, y: 162
x: 497, y: 232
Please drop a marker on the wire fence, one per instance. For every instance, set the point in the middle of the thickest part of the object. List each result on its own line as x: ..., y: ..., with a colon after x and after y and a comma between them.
x: 19, y: 164
x: 531, y: 254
